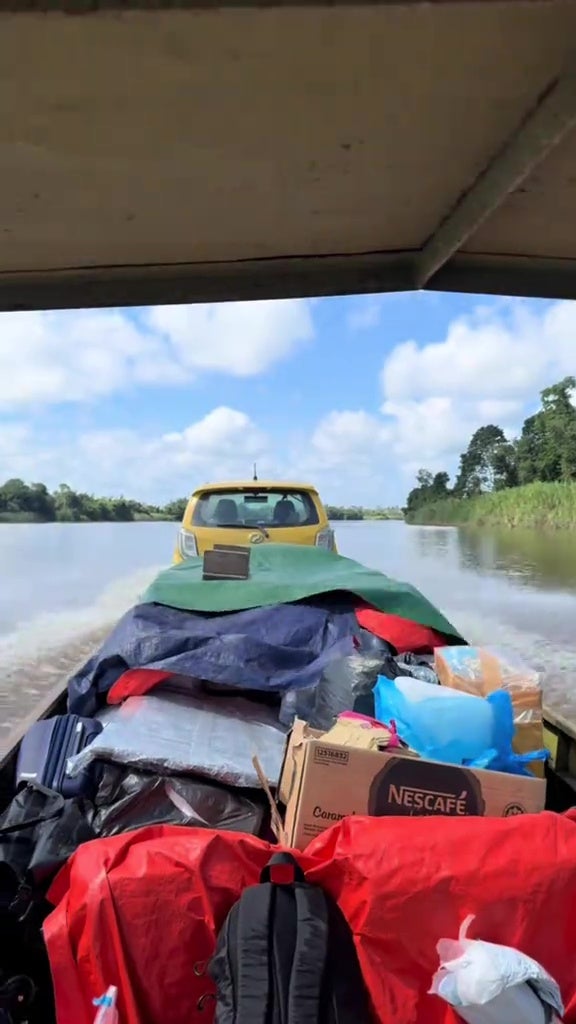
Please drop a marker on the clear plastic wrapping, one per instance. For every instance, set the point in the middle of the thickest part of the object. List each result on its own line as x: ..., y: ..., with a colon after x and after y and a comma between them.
x: 482, y: 670
x: 130, y: 799
x: 179, y: 735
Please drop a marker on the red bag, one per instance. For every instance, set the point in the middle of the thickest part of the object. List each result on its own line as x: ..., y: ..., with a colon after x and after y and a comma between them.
x: 141, y: 911
x: 403, y: 634
x: 404, y: 883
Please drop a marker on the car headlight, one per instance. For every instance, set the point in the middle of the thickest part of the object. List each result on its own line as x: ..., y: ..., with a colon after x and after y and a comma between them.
x: 325, y: 539
x: 187, y: 545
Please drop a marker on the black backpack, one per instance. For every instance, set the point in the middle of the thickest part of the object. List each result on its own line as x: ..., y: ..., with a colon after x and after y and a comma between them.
x: 286, y: 955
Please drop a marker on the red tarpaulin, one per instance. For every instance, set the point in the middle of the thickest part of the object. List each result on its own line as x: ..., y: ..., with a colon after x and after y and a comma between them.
x: 403, y: 634
x: 141, y: 910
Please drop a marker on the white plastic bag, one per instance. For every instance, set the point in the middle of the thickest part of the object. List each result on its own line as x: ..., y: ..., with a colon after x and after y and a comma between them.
x: 491, y: 984
x: 107, y: 1012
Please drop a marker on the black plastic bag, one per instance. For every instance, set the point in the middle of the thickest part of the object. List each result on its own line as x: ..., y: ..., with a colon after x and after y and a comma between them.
x: 130, y: 799
x: 38, y: 832
x: 345, y: 685
x: 346, y: 680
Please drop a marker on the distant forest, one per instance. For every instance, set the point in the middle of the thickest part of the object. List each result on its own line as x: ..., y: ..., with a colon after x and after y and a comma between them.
x: 357, y: 512
x: 22, y: 502
x: 545, y: 452
x: 34, y: 503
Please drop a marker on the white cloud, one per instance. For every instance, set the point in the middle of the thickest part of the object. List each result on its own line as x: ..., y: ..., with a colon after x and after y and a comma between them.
x: 241, y: 338
x: 346, y: 439
x: 490, y: 367
x: 222, y: 445
x: 365, y: 314
x: 75, y: 356
x: 506, y: 352
x: 348, y: 458
x: 14, y: 438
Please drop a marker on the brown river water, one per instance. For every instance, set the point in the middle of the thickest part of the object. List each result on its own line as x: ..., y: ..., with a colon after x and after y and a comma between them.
x: 63, y: 585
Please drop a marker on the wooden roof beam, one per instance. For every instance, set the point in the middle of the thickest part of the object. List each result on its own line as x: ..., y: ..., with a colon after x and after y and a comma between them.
x: 553, y: 116
x: 95, y: 6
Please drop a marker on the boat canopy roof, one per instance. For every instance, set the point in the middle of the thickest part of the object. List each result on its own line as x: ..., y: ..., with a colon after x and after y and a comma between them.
x: 158, y: 151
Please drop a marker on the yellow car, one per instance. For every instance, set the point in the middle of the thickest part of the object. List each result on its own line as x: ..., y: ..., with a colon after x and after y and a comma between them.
x: 253, y: 512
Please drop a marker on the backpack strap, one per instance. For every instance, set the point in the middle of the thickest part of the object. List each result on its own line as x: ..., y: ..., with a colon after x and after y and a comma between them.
x: 253, y: 938
x: 282, y: 869
x: 310, y: 955
x: 311, y: 950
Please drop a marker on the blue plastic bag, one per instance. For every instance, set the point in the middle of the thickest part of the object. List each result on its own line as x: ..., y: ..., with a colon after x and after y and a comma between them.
x: 450, y: 726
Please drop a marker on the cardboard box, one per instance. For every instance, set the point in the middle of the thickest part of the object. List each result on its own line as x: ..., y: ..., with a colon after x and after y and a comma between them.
x: 226, y: 562
x: 322, y: 782
x: 481, y: 670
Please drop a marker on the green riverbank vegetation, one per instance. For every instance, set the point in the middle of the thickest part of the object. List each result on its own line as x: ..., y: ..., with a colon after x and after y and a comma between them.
x: 338, y: 513
x: 34, y: 503
x: 526, y: 481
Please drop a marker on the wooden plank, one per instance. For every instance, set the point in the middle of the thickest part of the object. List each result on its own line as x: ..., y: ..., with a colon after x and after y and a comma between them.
x: 559, y: 722
x: 297, y: 277
x: 553, y: 116
x: 100, y: 6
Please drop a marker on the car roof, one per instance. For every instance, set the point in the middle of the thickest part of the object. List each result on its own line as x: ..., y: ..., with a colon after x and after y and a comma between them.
x: 256, y: 485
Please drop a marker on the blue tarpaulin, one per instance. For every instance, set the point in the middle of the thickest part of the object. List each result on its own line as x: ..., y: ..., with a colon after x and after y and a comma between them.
x: 276, y: 648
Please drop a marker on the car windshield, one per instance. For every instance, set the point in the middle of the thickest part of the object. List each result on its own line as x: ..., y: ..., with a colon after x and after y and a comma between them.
x: 268, y: 509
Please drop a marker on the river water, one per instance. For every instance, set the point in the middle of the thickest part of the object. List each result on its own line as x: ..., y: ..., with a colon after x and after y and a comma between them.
x: 63, y: 585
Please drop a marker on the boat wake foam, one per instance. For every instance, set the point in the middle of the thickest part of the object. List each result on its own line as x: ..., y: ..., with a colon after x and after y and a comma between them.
x: 555, y: 663
x: 39, y: 654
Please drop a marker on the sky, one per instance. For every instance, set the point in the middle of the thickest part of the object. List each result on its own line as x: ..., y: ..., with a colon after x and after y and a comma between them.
x: 352, y: 394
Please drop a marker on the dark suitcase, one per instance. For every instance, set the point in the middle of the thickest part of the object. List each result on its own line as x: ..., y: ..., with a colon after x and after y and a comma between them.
x: 45, y: 750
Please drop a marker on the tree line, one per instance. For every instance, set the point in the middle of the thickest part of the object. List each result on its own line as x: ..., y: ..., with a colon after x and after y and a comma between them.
x: 544, y: 451
x: 20, y: 501
x: 340, y: 513
x: 34, y: 502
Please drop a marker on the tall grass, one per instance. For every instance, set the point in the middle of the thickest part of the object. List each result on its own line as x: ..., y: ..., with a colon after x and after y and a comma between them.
x: 551, y: 506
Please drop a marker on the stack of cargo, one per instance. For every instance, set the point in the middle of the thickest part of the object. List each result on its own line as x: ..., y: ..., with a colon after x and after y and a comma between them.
x: 314, y: 703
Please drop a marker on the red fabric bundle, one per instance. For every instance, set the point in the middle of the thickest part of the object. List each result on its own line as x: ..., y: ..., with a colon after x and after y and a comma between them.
x: 141, y: 910
x: 136, y: 682
x: 403, y: 634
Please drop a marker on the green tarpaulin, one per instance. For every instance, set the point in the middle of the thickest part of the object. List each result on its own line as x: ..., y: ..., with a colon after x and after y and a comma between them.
x: 280, y: 573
